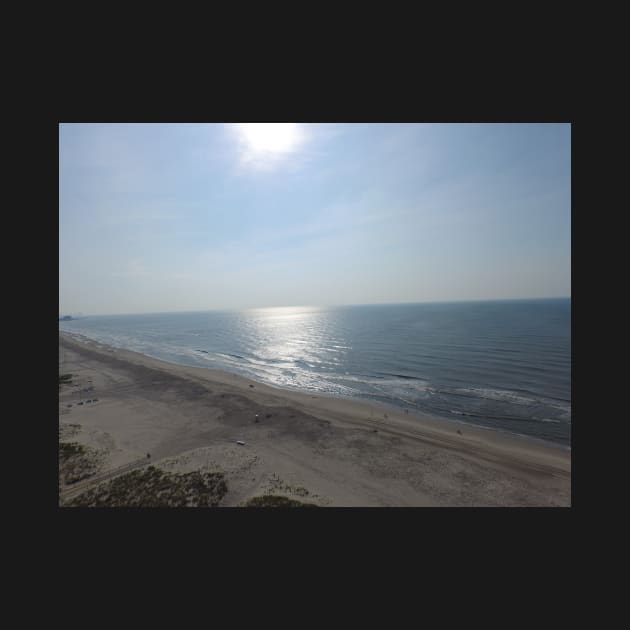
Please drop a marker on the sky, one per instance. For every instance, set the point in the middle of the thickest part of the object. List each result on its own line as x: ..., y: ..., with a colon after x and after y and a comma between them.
x: 192, y: 217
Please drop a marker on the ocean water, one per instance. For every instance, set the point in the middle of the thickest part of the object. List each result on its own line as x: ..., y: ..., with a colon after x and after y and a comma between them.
x: 505, y: 365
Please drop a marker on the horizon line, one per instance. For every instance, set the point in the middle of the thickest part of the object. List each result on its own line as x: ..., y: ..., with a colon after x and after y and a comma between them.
x: 249, y: 308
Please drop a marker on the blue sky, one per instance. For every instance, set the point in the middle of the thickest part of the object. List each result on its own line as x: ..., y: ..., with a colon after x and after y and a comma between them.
x: 181, y: 217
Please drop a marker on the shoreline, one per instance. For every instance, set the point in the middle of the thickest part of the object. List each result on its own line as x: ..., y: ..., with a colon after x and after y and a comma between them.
x: 382, y: 407
x: 333, y: 448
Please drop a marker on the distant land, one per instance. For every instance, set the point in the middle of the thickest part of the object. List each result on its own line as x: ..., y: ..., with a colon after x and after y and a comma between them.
x: 66, y: 318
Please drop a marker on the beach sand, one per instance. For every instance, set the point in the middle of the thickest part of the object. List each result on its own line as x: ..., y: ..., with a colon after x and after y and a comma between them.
x: 316, y: 449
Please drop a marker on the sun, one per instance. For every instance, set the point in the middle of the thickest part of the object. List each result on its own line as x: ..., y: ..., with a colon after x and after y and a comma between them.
x: 270, y: 137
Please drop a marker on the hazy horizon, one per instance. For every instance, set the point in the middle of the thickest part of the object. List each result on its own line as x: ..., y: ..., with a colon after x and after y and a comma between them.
x: 320, y: 306
x: 166, y: 218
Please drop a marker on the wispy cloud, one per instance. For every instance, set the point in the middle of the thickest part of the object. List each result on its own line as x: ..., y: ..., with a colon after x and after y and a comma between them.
x: 181, y: 216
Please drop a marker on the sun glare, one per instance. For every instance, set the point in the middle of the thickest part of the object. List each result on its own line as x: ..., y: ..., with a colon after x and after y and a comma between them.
x: 270, y: 137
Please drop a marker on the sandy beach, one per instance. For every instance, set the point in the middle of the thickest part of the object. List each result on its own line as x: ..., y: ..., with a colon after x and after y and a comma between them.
x: 321, y: 450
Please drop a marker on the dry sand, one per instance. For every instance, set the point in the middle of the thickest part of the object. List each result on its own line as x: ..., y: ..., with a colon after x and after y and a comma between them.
x: 323, y: 450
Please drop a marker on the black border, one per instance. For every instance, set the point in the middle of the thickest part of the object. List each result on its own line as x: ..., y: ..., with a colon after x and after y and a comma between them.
x: 351, y: 534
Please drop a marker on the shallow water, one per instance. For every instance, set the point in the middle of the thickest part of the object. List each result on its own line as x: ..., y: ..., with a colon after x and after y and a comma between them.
x: 501, y: 364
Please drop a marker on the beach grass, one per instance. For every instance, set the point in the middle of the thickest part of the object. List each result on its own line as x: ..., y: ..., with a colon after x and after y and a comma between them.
x: 65, y: 379
x: 152, y: 487
x: 77, y: 462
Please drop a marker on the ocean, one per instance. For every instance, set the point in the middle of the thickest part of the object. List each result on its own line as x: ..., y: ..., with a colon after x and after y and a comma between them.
x: 504, y: 365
